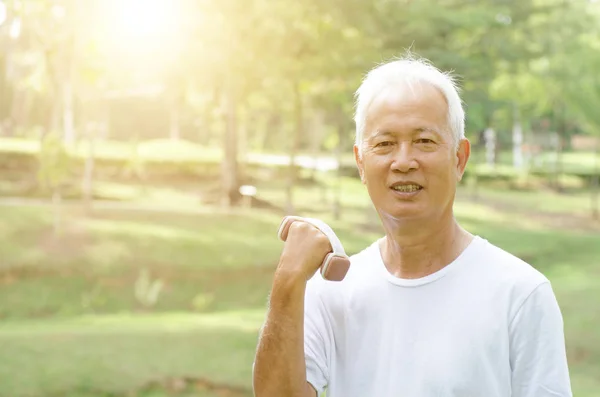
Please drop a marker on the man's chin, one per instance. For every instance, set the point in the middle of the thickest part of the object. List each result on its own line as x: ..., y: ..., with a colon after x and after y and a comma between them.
x: 405, y: 211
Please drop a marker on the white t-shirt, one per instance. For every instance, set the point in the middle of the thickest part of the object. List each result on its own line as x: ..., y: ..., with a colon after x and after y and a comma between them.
x: 486, y: 325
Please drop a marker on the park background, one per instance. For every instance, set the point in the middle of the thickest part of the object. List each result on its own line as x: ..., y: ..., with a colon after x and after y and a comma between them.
x: 149, y: 150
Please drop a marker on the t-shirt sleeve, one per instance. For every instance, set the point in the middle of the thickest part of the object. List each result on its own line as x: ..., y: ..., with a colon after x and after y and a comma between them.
x: 317, y: 337
x: 537, y: 347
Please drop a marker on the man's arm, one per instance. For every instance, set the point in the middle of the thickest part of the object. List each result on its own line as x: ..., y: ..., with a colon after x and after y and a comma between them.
x: 538, y: 357
x: 279, y: 368
x: 280, y: 362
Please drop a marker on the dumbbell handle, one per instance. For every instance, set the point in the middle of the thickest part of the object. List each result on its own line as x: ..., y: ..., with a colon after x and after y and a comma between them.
x: 336, y: 263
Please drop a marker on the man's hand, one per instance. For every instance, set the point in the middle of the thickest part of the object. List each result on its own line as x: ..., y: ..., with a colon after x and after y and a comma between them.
x: 303, y: 252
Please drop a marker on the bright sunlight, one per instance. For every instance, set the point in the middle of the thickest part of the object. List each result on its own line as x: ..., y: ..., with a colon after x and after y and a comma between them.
x: 2, y: 12
x: 143, y: 19
x: 139, y: 24
x: 139, y: 32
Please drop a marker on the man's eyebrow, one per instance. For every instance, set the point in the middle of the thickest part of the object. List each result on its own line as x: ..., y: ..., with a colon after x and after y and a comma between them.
x: 425, y: 129
x: 379, y: 133
x: 428, y: 129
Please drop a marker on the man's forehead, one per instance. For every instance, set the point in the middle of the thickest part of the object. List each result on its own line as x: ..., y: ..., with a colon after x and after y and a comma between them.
x: 388, y: 131
x: 408, y: 93
x: 379, y: 132
x: 393, y: 116
x: 417, y: 98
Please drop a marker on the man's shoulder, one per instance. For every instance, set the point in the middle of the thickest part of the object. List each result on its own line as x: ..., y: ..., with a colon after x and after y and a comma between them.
x: 367, y: 254
x: 508, y: 268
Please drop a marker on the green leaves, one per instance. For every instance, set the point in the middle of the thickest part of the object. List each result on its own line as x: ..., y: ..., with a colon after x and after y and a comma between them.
x: 535, y: 52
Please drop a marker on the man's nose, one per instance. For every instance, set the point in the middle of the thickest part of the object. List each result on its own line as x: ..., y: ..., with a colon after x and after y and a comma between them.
x: 404, y: 158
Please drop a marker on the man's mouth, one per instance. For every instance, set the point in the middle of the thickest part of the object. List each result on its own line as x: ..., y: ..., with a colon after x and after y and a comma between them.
x: 407, y: 188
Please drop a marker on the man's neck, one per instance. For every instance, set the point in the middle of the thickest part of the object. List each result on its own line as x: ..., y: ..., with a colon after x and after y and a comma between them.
x: 417, y: 251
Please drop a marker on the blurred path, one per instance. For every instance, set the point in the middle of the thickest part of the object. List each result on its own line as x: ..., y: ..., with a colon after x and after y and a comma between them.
x: 123, y: 206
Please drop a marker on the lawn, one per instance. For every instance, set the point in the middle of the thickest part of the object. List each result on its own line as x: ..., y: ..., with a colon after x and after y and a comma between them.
x: 76, y: 319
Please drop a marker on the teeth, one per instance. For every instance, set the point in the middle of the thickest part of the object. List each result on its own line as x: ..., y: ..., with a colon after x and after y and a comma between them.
x: 407, y: 188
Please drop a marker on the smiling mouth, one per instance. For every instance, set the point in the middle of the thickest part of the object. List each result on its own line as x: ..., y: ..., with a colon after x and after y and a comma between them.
x: 407, y: 188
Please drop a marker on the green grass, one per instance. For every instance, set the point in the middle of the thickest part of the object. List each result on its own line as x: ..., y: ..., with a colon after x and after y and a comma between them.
x: 547, y: 201
x: 123, y: 352
x: 71, y: 323
x: 98, y: 259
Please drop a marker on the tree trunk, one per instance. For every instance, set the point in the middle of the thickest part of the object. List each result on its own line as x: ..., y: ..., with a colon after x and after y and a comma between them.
x: 595, y: 183
x: 68, y: 113
x: 316, y: 137
x: 272, y: 127
x: 75, y: 19
x: 294, y: 148
x: 517, y: 138
x: 57, y: 209
x: 20, y: 109
x: 230, y: 169
x: 478, y: 155
x: 69, y: 80
x: 54, y: 121
x: 88, y: 174
x: 560, y: 133
x: 174, y: 132
x: 317, y: 127
x: 337, y: 192
x: 555, y: 160
x: 490, y: 146
x: 243, y: 122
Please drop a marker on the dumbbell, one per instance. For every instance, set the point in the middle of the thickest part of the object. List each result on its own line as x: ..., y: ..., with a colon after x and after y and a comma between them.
x: 336, y: 263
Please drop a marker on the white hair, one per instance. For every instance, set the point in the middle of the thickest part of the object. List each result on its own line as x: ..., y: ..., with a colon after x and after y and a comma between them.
x: 408, y: 70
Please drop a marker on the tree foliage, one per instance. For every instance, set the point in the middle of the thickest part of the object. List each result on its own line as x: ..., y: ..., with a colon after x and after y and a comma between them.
x: 274, y: 68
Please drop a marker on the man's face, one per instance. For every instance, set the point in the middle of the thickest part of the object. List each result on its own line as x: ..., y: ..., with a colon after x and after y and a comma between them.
x: 409, y: 160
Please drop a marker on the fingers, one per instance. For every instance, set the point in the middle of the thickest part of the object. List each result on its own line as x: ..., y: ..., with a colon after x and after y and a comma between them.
x: 314, y: 235
x: 284, y: 228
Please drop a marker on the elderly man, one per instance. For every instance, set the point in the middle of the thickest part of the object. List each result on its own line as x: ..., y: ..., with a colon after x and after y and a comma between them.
x: 427, y: 310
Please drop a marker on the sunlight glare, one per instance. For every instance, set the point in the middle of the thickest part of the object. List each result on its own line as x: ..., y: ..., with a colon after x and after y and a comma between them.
x: 15, y: 29
x: 144, y: 18
x: 2, y: 13
x: 139, y: 33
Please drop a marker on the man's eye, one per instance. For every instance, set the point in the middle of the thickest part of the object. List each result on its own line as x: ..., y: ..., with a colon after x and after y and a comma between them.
x: 424, y: 140
x: 384, y: 143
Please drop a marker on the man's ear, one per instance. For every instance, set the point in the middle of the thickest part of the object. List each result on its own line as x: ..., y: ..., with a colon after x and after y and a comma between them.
x: 359, y: 163
x: 462, y: 156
